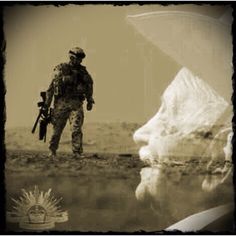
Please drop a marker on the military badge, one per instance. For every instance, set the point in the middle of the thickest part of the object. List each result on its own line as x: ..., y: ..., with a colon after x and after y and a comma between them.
x: 37, y: 210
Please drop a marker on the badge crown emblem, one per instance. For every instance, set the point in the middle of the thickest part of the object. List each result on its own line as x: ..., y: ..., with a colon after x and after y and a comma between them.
x: 37, y: 210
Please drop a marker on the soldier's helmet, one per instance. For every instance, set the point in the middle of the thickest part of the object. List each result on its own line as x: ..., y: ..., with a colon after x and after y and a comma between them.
x: 77, y: 52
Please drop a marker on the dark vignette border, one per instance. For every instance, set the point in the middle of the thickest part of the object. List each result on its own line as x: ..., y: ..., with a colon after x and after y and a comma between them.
x: 2, y: 124
x: 234, y: 109
x: 3, y: 110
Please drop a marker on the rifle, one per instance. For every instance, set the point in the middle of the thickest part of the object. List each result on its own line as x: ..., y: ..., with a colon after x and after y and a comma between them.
x: 44, y: 116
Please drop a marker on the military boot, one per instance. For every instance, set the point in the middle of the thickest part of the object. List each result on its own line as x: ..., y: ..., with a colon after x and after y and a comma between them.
x: 77, y: 155
x: 52, y: 154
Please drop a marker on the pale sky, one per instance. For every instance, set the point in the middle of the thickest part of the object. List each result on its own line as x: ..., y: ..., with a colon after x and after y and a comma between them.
x: 130, y: 73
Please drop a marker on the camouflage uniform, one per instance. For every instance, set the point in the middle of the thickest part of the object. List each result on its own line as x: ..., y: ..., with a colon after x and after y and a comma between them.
x: 70, y: 86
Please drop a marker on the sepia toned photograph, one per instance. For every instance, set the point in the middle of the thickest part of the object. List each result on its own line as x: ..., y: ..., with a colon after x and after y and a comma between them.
x: 118, y: 118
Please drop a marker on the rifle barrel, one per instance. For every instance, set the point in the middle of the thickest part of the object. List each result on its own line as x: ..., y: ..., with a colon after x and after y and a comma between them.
x: 36, y: 122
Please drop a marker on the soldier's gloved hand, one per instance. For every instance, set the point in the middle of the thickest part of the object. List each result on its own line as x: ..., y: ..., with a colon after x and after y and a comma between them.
x: 90, y: 104
x: 45, y: 110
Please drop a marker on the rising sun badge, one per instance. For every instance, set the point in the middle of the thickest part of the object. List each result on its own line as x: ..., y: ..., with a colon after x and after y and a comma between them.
x: 37, y: 210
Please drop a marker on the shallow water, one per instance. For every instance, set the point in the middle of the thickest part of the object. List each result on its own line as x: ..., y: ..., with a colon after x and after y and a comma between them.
x: 98, y: 203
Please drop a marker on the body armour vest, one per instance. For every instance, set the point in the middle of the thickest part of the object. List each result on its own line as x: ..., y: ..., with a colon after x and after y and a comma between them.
x: 69, y: 81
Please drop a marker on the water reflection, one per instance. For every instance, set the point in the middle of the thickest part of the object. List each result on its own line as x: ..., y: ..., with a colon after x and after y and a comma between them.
x: 97, y: 204
x: 175, y: 192
x: 93, y: 203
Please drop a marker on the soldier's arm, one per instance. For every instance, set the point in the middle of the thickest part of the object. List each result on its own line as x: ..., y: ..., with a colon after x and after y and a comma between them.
x: 50, y: 91
x: 89, y: 87
x: 49, y: 95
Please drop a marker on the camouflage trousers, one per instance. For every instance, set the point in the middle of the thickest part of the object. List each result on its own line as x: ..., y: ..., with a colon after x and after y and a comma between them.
x: 64, y: 110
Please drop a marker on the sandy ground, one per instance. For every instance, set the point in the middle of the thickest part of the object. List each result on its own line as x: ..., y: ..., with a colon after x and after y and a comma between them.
x: 106, y: 164
x: 109, y: 149
x: 98, y: 137
x: 33, y: 162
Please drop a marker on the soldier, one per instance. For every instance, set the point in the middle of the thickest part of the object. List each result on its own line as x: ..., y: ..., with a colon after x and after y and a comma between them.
x: 70, y: 86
